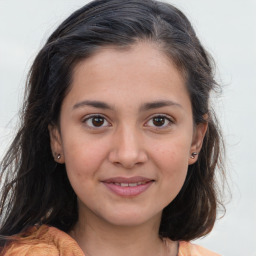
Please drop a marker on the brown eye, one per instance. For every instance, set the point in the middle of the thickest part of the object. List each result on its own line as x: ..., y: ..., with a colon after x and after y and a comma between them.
x: 159, y: 120
x: 96, y: 122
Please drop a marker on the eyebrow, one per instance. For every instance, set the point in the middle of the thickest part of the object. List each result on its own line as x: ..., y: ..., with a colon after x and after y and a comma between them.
x: 144, y: 107
x: 158, y: 104
x: 92, y: 103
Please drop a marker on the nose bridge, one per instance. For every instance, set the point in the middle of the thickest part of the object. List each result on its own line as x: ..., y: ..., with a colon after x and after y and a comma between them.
x: 127, y: 148
x: 129, y: 139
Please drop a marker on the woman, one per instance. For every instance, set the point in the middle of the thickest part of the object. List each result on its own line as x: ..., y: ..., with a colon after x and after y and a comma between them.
x: 118, y: 147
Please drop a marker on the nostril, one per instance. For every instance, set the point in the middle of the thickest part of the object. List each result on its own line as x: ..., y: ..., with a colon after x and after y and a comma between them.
x: 127, y: 153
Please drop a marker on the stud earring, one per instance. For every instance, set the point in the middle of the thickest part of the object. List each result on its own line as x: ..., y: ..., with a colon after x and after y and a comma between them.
x: 58, y: 156
x: 193, y: 155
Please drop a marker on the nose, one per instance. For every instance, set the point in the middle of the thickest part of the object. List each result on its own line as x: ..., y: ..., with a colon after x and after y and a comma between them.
x: 127, y: 149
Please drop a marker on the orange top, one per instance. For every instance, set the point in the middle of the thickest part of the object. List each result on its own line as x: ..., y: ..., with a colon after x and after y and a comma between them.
x: 50, y: 241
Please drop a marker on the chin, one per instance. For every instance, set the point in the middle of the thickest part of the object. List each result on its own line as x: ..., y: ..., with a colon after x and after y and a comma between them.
x: 127, y: 222
x: 129, y: 219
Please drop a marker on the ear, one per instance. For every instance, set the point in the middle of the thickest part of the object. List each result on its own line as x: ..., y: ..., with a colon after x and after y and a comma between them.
x: 197, y: 141
x: 56, y: 144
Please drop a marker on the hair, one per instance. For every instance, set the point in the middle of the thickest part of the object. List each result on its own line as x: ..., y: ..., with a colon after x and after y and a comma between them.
x: 36, y: 189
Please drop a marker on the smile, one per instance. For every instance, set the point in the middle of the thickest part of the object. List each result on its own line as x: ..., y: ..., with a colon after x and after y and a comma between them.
x: 128, y: 187
x: 130, y: 184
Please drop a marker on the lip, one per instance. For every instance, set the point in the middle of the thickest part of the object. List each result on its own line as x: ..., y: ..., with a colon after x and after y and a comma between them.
x: 134, y: 179
x: 128, y: 187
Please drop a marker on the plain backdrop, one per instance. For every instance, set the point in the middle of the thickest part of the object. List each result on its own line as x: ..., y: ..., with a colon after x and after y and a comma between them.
x: 227, y: 30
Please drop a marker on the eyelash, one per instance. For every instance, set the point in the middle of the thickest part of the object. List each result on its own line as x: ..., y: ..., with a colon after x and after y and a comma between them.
x: 106, y: 123
x: 161, y: 116
x: 91, y: 117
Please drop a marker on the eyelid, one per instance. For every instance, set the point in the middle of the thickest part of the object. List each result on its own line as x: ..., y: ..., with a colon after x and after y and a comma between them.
x: 90, y: 116
x: 167, y: 117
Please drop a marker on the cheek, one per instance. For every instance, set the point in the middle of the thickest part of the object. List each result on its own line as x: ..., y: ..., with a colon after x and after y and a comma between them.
x: 82, y: 165
x: 83, y: 161
x: 174, y: 167
x: 173, y: 175
x: 173, y: 152
x: 172, y: 160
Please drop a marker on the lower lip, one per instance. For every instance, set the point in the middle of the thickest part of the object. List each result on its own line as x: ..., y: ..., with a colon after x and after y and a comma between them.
x: 128, y: 191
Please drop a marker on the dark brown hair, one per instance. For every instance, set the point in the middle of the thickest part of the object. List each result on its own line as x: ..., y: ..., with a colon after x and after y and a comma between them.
x: 36, y: 190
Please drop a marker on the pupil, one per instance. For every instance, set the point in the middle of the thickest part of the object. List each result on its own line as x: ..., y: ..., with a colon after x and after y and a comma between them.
x: 158, y: 121
x: 97, y: 121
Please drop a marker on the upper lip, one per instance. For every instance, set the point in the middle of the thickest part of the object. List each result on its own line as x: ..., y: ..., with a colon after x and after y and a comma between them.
x: 135, y: 179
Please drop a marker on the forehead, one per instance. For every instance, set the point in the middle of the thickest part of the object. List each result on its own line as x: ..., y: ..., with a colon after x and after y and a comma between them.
x: 136, y: 72
x: 138, y: 58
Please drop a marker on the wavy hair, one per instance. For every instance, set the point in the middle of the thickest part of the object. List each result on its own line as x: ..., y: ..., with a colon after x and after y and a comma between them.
x: 35, y: 189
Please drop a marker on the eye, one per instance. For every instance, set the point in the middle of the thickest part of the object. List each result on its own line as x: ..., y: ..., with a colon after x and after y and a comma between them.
x: 96, y: 121
x: 159, y: 121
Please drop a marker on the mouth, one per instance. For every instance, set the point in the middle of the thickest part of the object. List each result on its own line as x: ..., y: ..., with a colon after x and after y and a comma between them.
x: 128, y: 187
x: 134, y: 184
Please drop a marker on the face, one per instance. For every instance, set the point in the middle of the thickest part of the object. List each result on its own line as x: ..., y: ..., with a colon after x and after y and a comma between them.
x: 126, y: 134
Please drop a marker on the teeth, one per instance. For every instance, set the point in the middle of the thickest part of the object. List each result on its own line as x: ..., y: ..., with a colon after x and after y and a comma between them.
x: 130, y: 184
x: 133, y: 184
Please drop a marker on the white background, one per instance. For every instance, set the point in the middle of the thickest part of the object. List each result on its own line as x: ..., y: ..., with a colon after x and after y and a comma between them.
x: 228, y: 31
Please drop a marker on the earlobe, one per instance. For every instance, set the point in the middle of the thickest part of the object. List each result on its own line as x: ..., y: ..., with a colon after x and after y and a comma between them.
x: 56, y: 144
x: 197, y: 142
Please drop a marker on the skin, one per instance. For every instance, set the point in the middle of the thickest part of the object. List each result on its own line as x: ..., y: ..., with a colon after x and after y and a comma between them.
x: 128, y: 140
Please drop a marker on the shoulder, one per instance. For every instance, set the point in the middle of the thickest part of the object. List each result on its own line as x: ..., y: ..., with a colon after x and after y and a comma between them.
x: 189, y: 249
x: 42, y: 241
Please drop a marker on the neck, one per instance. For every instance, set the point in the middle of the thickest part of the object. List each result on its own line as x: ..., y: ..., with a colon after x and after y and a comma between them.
x: 97, y: 237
